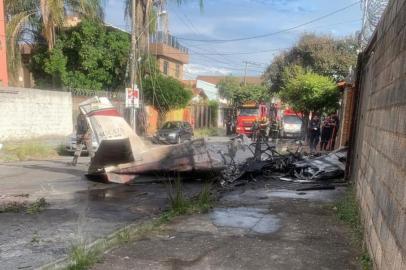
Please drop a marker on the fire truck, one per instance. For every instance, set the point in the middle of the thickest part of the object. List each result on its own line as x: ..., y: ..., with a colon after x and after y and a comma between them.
x: 248, y: 113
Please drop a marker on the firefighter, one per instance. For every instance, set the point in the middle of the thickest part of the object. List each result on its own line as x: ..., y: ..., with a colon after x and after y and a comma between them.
x: 83, y: 138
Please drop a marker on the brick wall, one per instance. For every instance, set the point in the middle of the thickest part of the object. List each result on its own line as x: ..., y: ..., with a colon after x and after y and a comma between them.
x: 31, y: 113
x: 379, y: 157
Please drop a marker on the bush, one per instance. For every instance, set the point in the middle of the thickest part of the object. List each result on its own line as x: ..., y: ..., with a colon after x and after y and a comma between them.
x: 206, y: 132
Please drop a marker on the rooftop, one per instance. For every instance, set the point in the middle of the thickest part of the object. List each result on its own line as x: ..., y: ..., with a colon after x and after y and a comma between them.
x: 216, y: 79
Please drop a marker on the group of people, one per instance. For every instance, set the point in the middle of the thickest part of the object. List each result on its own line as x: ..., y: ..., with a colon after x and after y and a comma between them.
x: 323, y: 131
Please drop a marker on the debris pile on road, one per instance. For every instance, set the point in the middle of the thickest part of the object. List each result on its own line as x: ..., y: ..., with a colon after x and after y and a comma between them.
x: 292, y: 166
x: 122, y: 155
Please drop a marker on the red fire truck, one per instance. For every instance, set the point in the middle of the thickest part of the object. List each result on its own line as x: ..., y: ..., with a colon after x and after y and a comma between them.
x: 248, y: 113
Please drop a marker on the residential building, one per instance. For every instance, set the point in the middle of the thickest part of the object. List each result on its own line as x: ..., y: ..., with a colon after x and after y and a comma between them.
x: 171, y: 55
x: 209, y: 85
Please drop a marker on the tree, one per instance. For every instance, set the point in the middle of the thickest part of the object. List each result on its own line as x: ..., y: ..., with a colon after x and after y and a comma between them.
x: 236, y: 94
x: 309, y: 92
x: 26, y: 14
x: 146, y: 17
x: 306, y: 91
x: 323, y: 55
x: 39, y: 21
x: 90, y: 56
x: 165, y: 94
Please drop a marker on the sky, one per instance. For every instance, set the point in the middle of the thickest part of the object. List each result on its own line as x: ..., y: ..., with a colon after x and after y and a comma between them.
x: 221, y: 20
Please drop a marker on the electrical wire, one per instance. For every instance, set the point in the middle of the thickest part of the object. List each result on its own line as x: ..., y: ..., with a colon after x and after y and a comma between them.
x: 273, y: 33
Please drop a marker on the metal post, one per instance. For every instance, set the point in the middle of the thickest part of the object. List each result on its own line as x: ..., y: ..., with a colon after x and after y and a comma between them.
x: 134, y: 57
x: 245, y: 73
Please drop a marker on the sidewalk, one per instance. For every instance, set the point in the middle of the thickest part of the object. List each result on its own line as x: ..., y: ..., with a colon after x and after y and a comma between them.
x: 263, y: 226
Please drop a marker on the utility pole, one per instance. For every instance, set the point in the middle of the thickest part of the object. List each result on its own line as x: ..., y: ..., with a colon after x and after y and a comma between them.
x: 245, y: 72
x: 134, y: 59
x: 3, y: 47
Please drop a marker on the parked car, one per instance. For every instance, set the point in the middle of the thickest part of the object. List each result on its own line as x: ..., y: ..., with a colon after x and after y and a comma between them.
x: 70, y: 146
x: 174, y: 132
x: 291, y: 126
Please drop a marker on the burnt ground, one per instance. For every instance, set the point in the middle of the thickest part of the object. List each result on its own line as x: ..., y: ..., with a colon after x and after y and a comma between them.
x: 262, y: 225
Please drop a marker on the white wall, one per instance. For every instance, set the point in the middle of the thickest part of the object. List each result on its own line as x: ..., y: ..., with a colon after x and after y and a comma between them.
x: 30, y: 113
x: 210, y: 89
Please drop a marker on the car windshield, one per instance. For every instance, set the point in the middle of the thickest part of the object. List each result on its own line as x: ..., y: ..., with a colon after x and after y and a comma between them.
x: 290, y: 119
x: 249, y: 112
x: 170, y: 125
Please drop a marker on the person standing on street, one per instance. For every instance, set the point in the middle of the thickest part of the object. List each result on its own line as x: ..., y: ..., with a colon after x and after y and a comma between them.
x: 314, y: 128
x: 326, y: 132
x: 335, y: 125
x: 83, y: 138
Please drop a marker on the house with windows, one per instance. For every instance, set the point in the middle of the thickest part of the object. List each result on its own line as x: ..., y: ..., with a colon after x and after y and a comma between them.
x: 208, y: 84
x: 170, y: 54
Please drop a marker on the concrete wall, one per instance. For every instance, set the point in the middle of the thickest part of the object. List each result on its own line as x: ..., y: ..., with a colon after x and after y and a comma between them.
x: 31, y: 113
x: 379, y: 165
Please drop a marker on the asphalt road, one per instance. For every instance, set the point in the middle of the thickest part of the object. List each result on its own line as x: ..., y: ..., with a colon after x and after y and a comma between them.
x: 80, y: 211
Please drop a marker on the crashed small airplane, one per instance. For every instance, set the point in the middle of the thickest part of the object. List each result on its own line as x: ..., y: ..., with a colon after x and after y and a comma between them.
x: 122, y: 155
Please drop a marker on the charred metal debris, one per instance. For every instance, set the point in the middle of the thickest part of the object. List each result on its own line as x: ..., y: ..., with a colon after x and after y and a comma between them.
x: 122, y: 155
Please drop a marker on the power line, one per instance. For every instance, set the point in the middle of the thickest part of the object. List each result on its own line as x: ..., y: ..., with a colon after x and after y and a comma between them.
x: 273, y: 33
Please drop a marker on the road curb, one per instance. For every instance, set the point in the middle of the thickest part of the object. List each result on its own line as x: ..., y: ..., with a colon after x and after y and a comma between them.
x: 104, y: 244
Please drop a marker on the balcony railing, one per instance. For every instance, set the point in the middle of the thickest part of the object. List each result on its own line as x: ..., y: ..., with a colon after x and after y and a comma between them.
x: 160, y: 37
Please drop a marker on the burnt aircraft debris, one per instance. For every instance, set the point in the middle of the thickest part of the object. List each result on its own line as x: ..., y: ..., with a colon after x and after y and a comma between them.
x: 295, y: 166
x: 122, y: 155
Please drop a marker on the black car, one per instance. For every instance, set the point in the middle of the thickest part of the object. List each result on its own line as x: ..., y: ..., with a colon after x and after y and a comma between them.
x: 175, y: 132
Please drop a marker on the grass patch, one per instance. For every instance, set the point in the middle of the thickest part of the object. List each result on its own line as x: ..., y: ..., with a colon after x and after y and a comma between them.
x: 12, y: 207
x: 37, y: 207
x: 30, y: 208
x: 206, y: 132
x: 181, y: 205
x: 83, y: 258
x: 20, y: 151
x: 348, y: 211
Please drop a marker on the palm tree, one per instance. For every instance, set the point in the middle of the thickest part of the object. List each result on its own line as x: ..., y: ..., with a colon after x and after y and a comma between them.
x: 32, y: 21
x: 145, y: 16
x: 29, y: 20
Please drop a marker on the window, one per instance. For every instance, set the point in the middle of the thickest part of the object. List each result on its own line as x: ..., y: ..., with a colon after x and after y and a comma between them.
x: 249, y: 112
x: 177, y: 74
x: 166, y: 66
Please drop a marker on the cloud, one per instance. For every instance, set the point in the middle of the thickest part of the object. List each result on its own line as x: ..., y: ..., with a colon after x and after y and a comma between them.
x: 193, y: 70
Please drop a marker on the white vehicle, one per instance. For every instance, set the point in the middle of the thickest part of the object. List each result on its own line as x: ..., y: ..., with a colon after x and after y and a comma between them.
x: 71, y: 141
x: 291, y: 126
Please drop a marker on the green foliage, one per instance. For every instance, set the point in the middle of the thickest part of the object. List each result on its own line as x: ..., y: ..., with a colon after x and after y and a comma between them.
x: 30, y: 208
x: 26, y: 150
x: 205, y: 132
x: 214, y: 107
x: 179, y: 202
x: 308, y: 92
x: 165, y: 93
x: 90, y: 56
x: 323, y: 55
x: 181, y: 205
x: 82, y: 258
x: 37, y: 207
x: 237, y: 94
